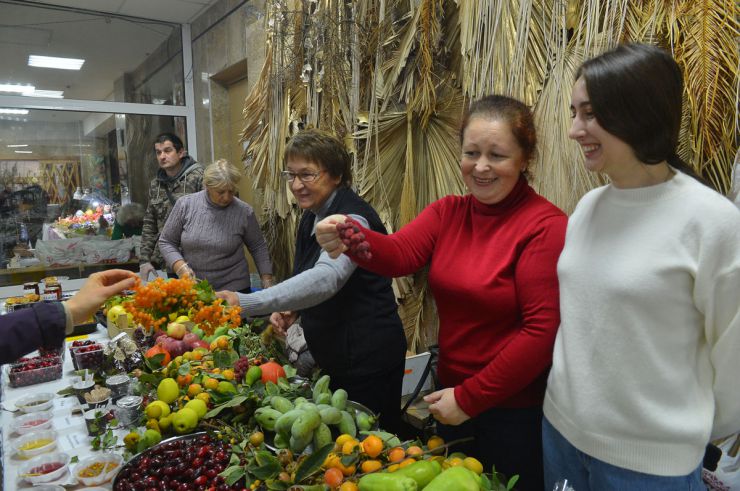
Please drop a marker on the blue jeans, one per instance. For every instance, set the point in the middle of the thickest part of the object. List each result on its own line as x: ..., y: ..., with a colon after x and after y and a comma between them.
x: 584, y: 473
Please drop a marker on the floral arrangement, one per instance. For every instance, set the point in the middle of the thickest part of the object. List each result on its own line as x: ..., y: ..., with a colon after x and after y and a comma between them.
x: 82, y: 223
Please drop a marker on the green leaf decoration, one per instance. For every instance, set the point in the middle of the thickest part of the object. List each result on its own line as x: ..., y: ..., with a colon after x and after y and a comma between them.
x: 272, y: 389
x: 312, y: 464
x: 224, y: 359
x: 234, y: 401
x: 237, y: 472
x: 265, y: 465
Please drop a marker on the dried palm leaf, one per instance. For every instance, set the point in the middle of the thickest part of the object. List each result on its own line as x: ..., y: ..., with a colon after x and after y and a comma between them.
x: 707, y: 49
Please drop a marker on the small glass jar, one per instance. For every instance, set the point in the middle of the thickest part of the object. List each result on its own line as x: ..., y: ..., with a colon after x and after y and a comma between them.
x: 119, y: 385
x: 127, y: 410
x: 31, y: 287
x: 52, y: 292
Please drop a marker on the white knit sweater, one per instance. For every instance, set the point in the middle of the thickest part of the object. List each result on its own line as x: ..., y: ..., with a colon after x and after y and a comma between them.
x: 646, y: 365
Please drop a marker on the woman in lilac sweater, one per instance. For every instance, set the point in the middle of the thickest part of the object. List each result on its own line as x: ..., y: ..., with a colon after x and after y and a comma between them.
x: 206, y: 231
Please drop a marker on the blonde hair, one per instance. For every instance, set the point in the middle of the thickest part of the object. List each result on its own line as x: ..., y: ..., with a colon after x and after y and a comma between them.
x: 221, y: 174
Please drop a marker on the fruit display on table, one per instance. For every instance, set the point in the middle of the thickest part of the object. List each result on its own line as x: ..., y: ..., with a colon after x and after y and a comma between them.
x: 217, y: 408
x: 187, y: 462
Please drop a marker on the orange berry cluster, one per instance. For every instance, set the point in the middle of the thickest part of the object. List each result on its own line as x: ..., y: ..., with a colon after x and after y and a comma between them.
x: 210, y: 317
x: 152, y: 303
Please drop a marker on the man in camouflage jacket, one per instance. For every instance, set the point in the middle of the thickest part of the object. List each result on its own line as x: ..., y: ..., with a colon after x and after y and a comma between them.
x: 178, y: 175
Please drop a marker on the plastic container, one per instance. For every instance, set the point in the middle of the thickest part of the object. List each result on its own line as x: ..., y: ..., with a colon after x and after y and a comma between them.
x: 35, y: 402
x: 47, y: 438
x: 99, y: 405
x: 35, y: 371
x: 128, y: 409
x: 107, y: 466
x: 52, y: 352
x: 119, y: 385
x: 31, y: 422
x: 87, y: 357
x: 96, y: 421
x: 44, y: 468
x: 81, y: 387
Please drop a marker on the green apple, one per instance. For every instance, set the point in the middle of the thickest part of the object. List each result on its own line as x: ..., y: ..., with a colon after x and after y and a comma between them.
x: 176, y: 330
x: 165, y: 422
x: 199, y: 406
x: 116, y: 311
x: 225, y: 387
x: 157, y: 409
x: 168, y: 390
x: 151, y: 437
x: 184, y: 421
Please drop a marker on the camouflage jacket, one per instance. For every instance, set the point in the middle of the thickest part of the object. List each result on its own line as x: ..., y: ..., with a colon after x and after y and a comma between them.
x: 188, y: 180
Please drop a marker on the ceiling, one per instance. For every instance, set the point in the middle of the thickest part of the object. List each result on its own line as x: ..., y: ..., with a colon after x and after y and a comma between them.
x: 110, y: 44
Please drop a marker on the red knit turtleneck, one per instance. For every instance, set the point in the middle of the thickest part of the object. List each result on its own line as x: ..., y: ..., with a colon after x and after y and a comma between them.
x: 493, y: 276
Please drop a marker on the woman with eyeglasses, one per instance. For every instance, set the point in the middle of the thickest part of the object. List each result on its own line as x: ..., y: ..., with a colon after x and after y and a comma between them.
x: 348, y: 314
x: 206, y: 232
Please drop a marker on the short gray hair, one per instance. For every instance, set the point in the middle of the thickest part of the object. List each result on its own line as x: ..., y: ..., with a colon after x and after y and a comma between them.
x: 221, y: 174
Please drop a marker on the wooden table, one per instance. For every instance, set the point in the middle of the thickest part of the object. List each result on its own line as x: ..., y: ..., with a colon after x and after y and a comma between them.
x: 18, y: 276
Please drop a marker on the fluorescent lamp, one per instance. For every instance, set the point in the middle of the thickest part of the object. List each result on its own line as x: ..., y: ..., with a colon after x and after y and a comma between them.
x: 54, y: 62
x: 23, y: 151
x: 17, y: 146
x: 13, y: 111
x: 55, y: 94
x: 17, y: 88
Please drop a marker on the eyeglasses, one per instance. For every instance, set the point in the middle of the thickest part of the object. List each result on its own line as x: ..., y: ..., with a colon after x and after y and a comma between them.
x: 303, y: 176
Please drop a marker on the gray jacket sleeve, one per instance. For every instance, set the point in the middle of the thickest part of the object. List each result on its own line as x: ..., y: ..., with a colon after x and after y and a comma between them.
x: 304, y: 290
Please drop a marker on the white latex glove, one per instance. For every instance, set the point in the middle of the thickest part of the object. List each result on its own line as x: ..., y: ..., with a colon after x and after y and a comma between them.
x: 145, y: 270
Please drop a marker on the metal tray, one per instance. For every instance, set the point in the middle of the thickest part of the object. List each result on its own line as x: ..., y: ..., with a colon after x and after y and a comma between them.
x: 270, y: 435
x: 135, y: 461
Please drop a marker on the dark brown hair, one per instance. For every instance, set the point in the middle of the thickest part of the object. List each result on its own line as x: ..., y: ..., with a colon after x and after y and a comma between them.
x: 163, y: 137
x: 325, y: 150
x: 635, y: 91
x: 514, y: 112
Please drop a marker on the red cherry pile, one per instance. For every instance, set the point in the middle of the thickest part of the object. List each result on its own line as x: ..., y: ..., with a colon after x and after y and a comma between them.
x: 349, y: 233
x: 29, y: 371
x: 86, y: 354
x: 180, y: 465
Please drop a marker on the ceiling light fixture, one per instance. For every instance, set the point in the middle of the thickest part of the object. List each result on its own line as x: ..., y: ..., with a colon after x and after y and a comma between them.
x: 23, y: 151
x: 54, y: 62
x: 55, y: 94
x: 17, y: 146
x: 17, y: 88
x: 13, y: 111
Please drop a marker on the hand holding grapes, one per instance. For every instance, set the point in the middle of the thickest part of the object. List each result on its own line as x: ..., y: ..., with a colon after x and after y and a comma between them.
x: 339, y: 233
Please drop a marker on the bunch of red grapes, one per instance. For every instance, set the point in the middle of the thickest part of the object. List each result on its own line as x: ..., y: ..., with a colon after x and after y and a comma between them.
x: 354, y: 239
x: 240, y: 368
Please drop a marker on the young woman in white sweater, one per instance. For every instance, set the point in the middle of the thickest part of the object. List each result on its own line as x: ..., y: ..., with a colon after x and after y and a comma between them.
x: 646, y: 362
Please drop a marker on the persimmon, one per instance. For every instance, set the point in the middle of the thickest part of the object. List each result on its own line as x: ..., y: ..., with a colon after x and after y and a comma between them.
x: 333, y: 477
x: 156, y: 350
x: 372, y: 445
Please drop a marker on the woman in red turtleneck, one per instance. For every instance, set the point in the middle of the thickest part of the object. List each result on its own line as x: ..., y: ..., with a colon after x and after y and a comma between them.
x: 492, y: 258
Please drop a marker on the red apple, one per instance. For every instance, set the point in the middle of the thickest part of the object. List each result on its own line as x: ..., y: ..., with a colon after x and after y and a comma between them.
x: 190, y: 338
